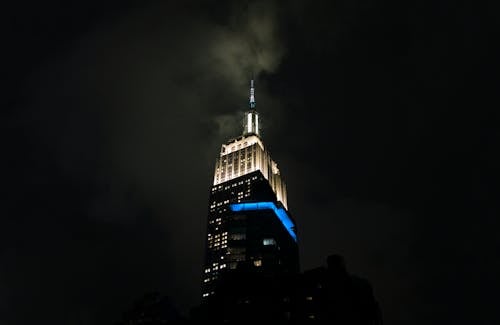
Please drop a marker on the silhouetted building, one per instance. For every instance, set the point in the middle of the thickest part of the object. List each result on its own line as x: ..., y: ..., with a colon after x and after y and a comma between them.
x: 323, y: 295
x: 152, y: 309
x: 251, y: 237
x: 332, y: 296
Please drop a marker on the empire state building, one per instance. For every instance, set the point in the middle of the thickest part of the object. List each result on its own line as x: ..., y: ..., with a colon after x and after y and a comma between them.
x: 249, y: 227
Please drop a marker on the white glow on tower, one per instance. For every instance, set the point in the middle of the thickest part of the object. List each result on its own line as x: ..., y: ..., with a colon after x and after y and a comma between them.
x: 249, y: 122
x: 252, y: 95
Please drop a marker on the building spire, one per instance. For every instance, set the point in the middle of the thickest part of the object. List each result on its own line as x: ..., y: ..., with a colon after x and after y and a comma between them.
x: 252, y: 117
x: 252, y: 95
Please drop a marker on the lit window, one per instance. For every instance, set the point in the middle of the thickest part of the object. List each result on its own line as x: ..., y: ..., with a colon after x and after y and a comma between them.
x: 269, y: 242
x: 309, y: 298
x: 239, y: 236
x: 257, y: 263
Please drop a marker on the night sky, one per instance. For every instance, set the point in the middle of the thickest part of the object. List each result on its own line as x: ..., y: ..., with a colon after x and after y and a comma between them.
x: 382, y: 116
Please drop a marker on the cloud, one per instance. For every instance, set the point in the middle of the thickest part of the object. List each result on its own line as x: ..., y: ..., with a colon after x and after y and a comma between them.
x: 250, y: 44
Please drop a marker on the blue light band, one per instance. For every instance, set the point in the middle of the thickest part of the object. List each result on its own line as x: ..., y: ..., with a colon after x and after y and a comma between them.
x: 280, y: 213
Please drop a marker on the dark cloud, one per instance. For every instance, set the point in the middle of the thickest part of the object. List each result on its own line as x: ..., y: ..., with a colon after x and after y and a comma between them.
x: 378, y: 114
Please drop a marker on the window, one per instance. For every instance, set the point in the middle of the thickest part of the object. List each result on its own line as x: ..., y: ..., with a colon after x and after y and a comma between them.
x: 269, y: 242
x: 236, y: 257
x: 257, y: 263
x: 238, y: 236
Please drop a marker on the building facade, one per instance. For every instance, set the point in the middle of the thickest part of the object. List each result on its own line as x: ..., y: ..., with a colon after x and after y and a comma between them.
x: 251, y: 272
x: 249, y: 228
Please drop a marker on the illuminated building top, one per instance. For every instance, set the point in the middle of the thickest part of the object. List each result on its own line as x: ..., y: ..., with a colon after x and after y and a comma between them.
x: 246, y: 154
x: 248, y: 225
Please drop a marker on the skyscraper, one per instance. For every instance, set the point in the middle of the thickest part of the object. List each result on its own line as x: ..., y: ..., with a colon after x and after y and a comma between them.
x: 249, y: 228
x: 251, y: 273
